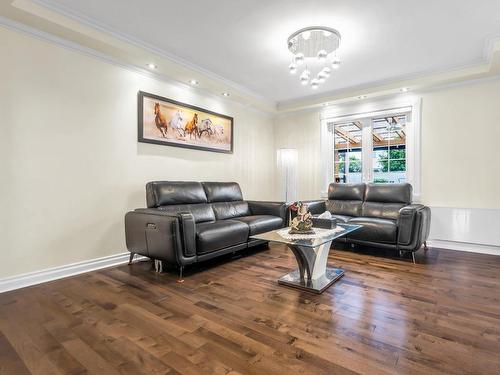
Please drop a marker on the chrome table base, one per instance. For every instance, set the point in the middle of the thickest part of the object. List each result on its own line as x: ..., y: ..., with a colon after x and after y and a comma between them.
x: 318, y: 286
x: 312, y: 274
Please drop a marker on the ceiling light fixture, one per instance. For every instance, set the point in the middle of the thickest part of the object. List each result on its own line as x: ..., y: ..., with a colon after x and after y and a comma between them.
x: 362, y: 97
x: 152, y: 66
x: 404, y: 89
x: 193, y: 82
x: 225, y: 94
x: 318, y: 43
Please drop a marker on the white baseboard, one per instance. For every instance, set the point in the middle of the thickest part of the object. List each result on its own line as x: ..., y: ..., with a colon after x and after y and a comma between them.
x: 464, y: 246
x: 50, y: 274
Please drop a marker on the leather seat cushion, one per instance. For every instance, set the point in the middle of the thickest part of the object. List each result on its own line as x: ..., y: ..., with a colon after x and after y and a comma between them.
x: 229, y: 210
x: 382, y: 210
x: 374, y: 230
x: 216, y: 235
x: 340, y: 218
x: 347, y: 207
x: 261, y: 223
x: 201, y: 211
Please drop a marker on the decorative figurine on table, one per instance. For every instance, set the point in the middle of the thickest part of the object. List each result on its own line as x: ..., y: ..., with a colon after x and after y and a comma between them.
x: 302, y: 223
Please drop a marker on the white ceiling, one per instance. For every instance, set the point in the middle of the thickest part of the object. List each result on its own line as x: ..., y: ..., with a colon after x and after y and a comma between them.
x: 245, y: 41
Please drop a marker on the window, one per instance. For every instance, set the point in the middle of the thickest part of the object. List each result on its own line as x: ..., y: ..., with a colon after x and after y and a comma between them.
x: 371, y: 149
x: 389, y: 149
x: 347, y: 151
x: 371, y: 142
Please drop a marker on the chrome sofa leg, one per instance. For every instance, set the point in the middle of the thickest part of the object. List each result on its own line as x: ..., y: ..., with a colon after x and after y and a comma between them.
x: 425, y: 246
x: 181, y: 271
x: 131, y: 258
x: 413, y: 257
x: 158, y: 266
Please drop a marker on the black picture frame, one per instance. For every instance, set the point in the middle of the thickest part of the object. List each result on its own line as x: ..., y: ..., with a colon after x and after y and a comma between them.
x: 140, y: 128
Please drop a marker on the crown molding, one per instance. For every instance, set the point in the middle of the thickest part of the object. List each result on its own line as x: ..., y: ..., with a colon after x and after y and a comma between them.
x: 87, y: 21
x: 374, y: 90
x: 64, y: 43
x: 35, y: 18
x: 482, y: 68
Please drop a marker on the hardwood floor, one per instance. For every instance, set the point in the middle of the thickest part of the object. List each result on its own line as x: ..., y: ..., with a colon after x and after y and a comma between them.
x: 386, y: 316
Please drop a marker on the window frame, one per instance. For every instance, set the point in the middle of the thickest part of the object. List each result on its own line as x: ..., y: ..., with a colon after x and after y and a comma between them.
x: 365, y: 112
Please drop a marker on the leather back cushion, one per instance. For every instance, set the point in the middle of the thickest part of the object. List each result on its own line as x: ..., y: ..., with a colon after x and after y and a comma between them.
x: 222, y: 191
x: 346, y: 192
x: 347, y: 207
x: 388, y: 193
x: 345, y: 199
x: 227, y: 210
x: 385, y: 200
x: 201, y: 212
x: 162, y: 193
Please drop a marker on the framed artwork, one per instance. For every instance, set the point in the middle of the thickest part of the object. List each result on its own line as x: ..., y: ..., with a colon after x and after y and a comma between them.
x: 168, y: 122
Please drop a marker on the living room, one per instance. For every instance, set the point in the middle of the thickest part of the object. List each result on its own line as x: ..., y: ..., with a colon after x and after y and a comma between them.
x: 200, y: 187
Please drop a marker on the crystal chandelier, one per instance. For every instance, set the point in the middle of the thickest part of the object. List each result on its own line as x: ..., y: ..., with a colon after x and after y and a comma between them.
x: 315, y: 42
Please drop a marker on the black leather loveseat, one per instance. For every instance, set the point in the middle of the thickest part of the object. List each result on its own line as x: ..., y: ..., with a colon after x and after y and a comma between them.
x: 388, y: 218
x: 189, y: 222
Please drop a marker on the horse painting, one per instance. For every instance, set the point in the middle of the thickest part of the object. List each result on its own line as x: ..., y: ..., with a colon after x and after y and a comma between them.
x: 192, y: 127
x: 160, y: 121
x: 176, y: 123
x: 164, y: 121
x: 219, y: 133
x: 206, y: 127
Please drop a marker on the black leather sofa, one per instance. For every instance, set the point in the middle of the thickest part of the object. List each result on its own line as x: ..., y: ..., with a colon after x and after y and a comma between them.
x: 388, y: 218
x: 189, y: 222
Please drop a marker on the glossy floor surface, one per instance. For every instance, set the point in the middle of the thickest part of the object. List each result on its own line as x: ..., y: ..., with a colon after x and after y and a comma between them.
x: 385, y: 316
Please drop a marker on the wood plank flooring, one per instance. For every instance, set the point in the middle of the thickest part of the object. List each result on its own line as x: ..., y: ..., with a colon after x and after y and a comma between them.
x: 385, y: 316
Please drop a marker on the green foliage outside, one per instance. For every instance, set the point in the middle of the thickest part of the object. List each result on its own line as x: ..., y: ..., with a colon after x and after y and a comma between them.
x: 397, y: 159
x: 354, y: 164
x: 397, y: 162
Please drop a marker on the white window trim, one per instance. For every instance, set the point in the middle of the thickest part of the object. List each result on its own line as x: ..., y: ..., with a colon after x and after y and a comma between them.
x: 374, y: 109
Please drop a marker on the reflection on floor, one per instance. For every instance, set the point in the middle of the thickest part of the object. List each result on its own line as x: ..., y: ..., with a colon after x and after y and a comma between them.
x: 385, y: 316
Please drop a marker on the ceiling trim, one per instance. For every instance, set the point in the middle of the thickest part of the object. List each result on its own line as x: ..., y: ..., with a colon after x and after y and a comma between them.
x: 67, y: 44
x: 487, y: 66
x: 87, y: 21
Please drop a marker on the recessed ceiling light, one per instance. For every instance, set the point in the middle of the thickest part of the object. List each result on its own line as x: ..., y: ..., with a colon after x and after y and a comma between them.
x: 193, y: 82
x: 152, y: 66
x: 404, y: 89
x: 362, y: 97
x: 225, y: 94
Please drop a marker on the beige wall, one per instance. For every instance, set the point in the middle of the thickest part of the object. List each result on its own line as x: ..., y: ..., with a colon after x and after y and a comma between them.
x: 302, y: 132
x: 460, y: 146
x: 70, y: 165
x: 70, y: 162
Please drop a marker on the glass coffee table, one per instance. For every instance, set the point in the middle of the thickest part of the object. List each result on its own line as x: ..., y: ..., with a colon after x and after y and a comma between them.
x: 311, y: 252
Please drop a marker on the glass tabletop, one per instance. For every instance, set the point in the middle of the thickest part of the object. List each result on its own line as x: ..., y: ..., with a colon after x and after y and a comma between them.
x: 319, y: 237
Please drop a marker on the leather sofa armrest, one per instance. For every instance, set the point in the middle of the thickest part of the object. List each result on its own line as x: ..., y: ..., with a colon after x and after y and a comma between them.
x: 159, y: 235
x: 413, y: 226
x: 315, y: 206
x: 268, y: 208
x: 188, y: 232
